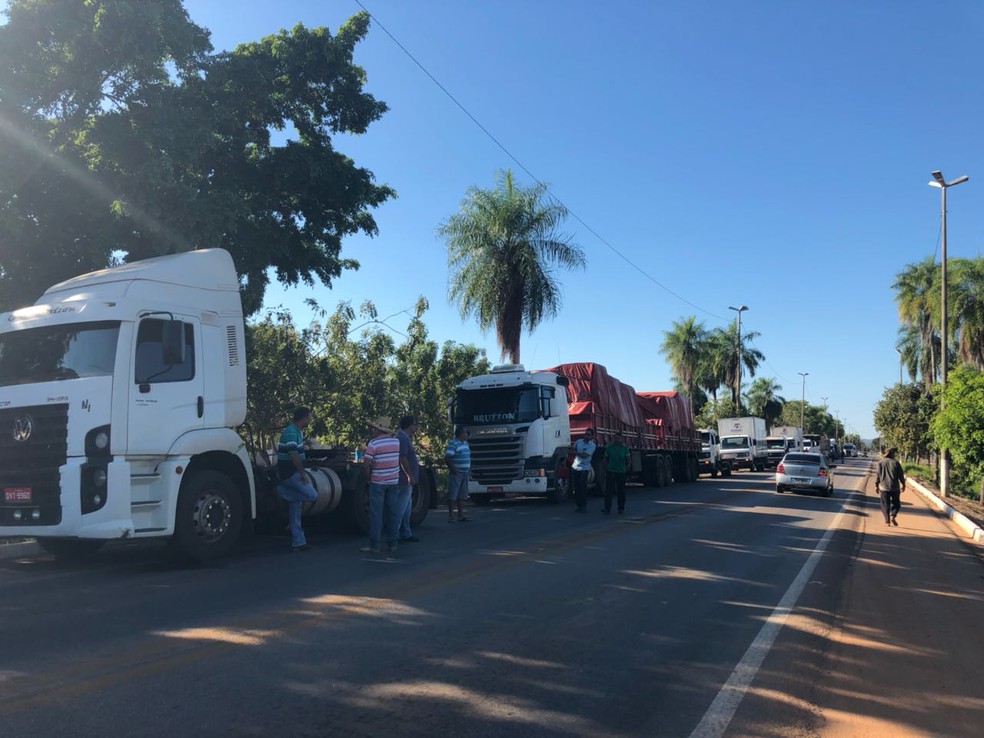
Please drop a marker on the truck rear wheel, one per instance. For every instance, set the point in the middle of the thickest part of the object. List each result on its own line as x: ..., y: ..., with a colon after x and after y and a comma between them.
x: 209, y: 516
x: 69, y: 549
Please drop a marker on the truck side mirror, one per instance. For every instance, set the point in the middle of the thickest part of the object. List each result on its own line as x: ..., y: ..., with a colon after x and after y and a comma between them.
x: 172, y: 343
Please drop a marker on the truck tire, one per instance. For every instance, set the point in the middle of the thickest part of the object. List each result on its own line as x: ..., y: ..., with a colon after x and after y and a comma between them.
x: 70, y: 549
x: 422, y: 494
x: 561, y: 490
x: 209, y: 516
x: 666, y: 471
x: 726, y: 472
x: 714, y: 470
x: 650, y: 471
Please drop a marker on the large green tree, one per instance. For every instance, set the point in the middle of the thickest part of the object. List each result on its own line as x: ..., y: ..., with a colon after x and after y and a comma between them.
x: 685, y: 348
x: 503, y: 246
x: 902, y: 418
x: 959, y: 427
x: 124, y: 135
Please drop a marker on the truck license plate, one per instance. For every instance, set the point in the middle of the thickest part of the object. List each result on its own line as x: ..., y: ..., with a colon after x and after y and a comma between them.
x: 16, y: 494
x: 494, y: 489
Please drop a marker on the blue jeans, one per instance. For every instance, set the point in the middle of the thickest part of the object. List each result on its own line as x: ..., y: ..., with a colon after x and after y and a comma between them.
x: 406, y: 500
x: 295, y: 492
x: 384, y: 503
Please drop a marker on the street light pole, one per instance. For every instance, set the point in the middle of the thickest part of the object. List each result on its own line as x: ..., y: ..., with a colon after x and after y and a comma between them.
x: 940, y: 182
x: 803, y: 402
x: 739, y: 310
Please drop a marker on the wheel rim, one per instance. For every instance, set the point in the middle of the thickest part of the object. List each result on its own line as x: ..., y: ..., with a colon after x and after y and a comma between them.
x: 561, y: 486
x: 211, y: 516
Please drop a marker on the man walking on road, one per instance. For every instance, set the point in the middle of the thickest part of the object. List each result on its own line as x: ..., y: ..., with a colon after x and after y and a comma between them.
x: 616, y: 458
x: 295, y: 485
x: 891, y: 484
x: 457, y: 456
x: 409, y: 472
x: 382, y: 466
x: 583, y: 453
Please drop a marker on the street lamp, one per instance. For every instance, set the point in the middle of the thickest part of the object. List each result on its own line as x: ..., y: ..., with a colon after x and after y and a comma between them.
x: 939, y: 181
x: 803, y: 401
x: 739, y: 310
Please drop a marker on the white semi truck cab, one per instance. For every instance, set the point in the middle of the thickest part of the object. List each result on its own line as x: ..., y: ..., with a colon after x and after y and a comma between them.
x: 518, y: 429
x: 119, y: 394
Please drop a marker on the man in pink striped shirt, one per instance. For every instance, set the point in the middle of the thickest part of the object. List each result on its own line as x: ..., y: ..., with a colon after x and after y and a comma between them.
x: 382, y: 466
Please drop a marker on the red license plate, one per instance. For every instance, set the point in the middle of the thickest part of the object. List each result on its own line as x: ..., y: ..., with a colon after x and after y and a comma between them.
x: 494, y: 489
x: 16, y: 494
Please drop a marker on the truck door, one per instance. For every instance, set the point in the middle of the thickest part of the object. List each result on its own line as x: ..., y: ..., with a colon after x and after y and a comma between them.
x: 166, y: 391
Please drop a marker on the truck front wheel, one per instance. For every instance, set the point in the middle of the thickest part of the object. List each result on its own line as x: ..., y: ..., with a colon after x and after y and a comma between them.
x: 209, y: 516
x: 561, y: 486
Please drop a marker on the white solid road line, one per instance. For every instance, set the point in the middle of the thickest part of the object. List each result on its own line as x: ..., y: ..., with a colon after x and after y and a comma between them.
x: 725, y: 705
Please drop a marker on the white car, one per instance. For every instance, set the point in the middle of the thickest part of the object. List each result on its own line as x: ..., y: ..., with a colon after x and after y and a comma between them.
x: 799, y: 470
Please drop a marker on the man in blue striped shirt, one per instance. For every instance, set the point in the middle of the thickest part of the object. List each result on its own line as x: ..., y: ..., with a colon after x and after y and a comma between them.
x: 295, y: 485
x: 457, y: 456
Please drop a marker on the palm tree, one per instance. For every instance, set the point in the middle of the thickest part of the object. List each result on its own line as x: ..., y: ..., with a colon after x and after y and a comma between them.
x: 734, y: 348
x: 763, y: 399
x: 968, y: 299
x: 502, y: 245
x: 710, y: 374
x: 684, y: 347
x: 917, y: 295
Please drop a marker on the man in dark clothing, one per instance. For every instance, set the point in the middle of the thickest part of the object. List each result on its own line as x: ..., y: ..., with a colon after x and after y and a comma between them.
x: 617, y: 456
x: 891, y: 484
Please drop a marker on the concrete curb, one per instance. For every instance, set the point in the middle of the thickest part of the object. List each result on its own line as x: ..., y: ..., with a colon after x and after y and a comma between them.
x: 966, y: 524
x: 17, y: 550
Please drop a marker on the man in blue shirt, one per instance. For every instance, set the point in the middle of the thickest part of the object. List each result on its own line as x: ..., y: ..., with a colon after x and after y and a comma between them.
x: 295, y: 485
x: 457, y: 456
x: 409, y: 472
x: 584, y: 451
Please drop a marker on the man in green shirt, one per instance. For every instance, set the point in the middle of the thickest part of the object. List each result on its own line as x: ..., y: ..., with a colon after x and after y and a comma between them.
x: 617, y: 460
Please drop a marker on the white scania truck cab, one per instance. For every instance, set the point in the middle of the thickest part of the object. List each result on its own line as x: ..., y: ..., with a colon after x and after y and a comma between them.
x: 119, y: 393
x: 519, y: 432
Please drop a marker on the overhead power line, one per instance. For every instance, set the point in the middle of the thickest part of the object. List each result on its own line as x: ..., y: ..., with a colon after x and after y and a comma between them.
x: 530, y: 174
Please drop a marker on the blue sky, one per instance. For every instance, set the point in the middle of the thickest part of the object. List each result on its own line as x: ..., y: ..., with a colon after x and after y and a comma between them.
x: 769, y: 153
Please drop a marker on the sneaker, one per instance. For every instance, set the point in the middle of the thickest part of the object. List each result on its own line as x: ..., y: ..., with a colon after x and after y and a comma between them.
x: 409, y: 539
x: 894, y: 521
x: 369, y: 550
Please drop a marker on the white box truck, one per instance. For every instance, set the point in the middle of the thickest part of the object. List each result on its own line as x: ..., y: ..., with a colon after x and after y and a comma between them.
x: 743, y: 442
x: 781, y: 440
x: 120, y: 393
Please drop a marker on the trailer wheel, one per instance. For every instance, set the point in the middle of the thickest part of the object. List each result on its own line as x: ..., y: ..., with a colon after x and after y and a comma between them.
x: 70, y: 549
x: 209, y: 516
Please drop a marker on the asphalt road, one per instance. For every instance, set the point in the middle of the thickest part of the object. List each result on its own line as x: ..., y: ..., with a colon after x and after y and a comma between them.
x: 716, y: 608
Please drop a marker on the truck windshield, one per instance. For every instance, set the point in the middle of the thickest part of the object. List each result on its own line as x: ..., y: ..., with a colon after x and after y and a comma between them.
x: 58, y: 352
x: 775, y: 443
x: 705, y: 438
x: 734, y: 442
x: 500, y: 405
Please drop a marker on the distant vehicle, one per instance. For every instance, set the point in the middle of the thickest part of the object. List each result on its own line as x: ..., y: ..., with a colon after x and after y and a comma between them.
x: 850, y: 449
x: 803, y: 470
